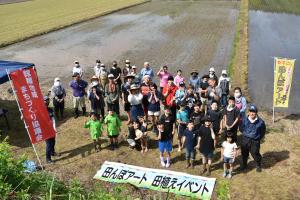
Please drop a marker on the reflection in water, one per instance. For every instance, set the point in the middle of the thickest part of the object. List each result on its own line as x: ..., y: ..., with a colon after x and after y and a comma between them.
x: 272, y: 34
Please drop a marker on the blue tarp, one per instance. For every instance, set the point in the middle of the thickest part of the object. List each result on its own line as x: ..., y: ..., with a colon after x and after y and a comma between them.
x: 11, y: 66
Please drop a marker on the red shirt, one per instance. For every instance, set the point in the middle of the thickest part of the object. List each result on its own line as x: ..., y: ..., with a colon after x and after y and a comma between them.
x: 171, y: 94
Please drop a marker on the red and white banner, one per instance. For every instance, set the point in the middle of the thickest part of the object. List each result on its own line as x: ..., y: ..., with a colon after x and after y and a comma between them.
x: 31, y: 101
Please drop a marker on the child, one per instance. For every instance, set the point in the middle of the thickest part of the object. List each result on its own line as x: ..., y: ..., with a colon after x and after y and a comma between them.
x: 206, y: 144
x: 113, y: 128
x: 154, y: 98
x: 197, y: 115
x: 169, y: 122
x: 95, y: 127
x: 216, y: 117
x: 180, y: 94
x: 131, y: 136
x: 182, y: 120
x: 231, y: 118
x: 228, y: 154
x: 164, y: 143
x: 140, y: 135
x: 190, y: 141
x: 191, y: 98
x: 203, y: 91
x: 178, y: 78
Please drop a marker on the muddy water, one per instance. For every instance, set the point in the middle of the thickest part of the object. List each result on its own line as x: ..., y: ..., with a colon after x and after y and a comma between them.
x: 181, y: 34
x: 273, y: 34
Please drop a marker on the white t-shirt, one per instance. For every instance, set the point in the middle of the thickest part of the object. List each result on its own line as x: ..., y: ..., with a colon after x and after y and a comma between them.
x: 229, y: 149
x: 78, y: 70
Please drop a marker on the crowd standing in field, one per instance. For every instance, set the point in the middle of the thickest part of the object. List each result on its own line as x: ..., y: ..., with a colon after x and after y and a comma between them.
x: 199, y: 109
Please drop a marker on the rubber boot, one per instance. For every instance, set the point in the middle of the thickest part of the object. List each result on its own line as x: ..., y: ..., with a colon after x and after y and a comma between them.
x: 76, y: 113
x: 83, y: 111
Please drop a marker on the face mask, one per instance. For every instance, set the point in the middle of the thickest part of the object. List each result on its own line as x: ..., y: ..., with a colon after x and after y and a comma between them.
x: 76, y: 65
x: 95, y: 82
x: 98, y: 64
x: 57, y: 83
x: 237, y: 94
x: 211, y: 72
x: 204, y: 81
x: 127, y: 65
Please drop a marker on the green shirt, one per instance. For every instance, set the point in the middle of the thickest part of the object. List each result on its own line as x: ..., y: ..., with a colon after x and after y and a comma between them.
x: 95, y: 128
x: 113, y: 124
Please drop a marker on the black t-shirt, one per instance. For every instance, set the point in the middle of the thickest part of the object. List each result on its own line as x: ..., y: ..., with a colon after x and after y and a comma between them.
x: 168, y: 122
x: 231, y: 116
x: 131, y: 133
x: 196, y: 118
x: 166, y: 135
x: 116, y: 72
x: 190, y: 139
x: 216, y: 117
x: 206, y: 142
x: 204, y: 86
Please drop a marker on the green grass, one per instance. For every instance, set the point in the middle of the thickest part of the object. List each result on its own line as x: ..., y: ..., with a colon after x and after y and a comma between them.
x: 20, y: 21
x: 279, y: 6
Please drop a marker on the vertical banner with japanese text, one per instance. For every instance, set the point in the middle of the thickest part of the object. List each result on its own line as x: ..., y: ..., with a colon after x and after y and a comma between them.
x: 156, y: 179
x: 283, y: 76
x: 32, y: 104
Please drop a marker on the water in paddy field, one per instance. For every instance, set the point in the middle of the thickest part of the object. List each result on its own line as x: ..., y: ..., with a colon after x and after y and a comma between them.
x: 273, y: 34
x: 182, y: 34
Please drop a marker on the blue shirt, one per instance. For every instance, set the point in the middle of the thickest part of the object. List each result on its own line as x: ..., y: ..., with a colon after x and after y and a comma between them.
x: 190, y: 139
x: 254, y: 130
x: 146, y: 71
x: 78, y: 87
x: 183, y: 115
x: 195, y: 82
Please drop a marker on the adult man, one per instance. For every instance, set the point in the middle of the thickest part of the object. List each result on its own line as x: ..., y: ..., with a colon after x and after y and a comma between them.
x: 137, y: 78
x: 50, y: 143
x: 224, y: 84
x: 127, y: 69
x: 77, y: 69
x: 116, y: 71
x: 125, y: 94
x: 253, y: 130
x: 58, y: 94
x: 214, y: 92
x: 78, y: 86
x: 147, y: 71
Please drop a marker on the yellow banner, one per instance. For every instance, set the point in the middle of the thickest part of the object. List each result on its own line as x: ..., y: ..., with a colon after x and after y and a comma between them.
x: 283, y: 77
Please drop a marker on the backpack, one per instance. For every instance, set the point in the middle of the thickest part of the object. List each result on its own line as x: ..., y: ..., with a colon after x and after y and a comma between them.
x: 224, y: 85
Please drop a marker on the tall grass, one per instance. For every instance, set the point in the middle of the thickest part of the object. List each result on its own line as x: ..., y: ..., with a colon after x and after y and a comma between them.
x: 279, y: 6
x: 23, y: 20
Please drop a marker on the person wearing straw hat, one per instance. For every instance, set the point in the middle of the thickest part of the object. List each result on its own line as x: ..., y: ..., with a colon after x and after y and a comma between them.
x: 58, y: 94
x: 77, y: 69
x: 195, y: 80
x: 253, y: 131
x: 96, y: 97
x: 135, y: 99
x: 125, y: 93
x: 78, y: 86
x: 112, y: 92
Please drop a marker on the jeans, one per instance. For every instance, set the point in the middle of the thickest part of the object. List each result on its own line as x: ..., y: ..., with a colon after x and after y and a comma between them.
x: 50, y: 144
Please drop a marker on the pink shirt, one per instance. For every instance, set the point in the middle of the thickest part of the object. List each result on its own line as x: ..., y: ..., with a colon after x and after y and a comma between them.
x: 164, y: 78
x: 178, y: 79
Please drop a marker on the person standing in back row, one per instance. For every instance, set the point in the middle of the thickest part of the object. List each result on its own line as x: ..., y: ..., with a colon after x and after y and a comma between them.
x: 58, y: 94
x: 77, y: 69
x: 224, y: 84
x: 253, y: 130
x: 147, y: 70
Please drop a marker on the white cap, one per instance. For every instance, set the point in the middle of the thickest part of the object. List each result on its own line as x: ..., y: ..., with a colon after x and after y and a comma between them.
x: 146, y: 63
x: 76, y: 61
x: 133, y: 67
x: 127, y: 61
x: 224, y: 71
x: 211, y: 69
x: 102, y: 65
x: 111, y: 76
x: 56, y: 79
x: 146, y: 76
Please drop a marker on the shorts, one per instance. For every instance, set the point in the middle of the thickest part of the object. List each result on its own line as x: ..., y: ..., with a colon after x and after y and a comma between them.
x: 190, y: 154
x: 228, y: 160
x: 155, y: 113
x: 208, y: 155
x: 127, y: 107
x: 78, y: 101
x: 113, y: 136
x: 165, y: 146
x: 181, y: 129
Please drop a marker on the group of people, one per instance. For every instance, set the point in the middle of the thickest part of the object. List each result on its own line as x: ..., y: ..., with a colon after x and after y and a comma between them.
x: 199, y: 109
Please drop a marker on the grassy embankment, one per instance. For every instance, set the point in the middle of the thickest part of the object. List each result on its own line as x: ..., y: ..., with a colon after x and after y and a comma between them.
x: 27, y: 19
x: 279, y: 6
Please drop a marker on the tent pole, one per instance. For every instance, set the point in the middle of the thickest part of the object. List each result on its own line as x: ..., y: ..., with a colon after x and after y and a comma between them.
x: 20, y: 109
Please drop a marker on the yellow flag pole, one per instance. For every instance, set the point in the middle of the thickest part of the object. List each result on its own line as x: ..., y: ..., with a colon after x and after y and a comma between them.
x: 273, y: 118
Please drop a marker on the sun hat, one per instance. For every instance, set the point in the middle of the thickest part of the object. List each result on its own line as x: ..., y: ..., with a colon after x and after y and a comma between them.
x: 130, y: 75
x: 194, y: 71
x: 127, y: 61
x: 94, y: 78
x: 56, y: 79
x: 212, y: 69
x: 134, y: 87
x: 111, y: 76
x: 76, y: 62
x: 133, y: 67
x: 224, y: 71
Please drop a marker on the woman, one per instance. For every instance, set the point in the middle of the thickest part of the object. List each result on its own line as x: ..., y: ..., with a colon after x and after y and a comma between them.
x: 58, y: 94
x: 163, y: 75
x: 112, y: 92
x: 96, y: 97
x: 178, y: 78
x: 240, y: 101
x: 135, y: 99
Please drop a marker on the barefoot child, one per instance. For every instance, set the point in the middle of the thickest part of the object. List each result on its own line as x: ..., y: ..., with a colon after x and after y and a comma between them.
x: 228, y: 154
x: 164, y: 143
x: 113, y: 128
x: 95, y: 127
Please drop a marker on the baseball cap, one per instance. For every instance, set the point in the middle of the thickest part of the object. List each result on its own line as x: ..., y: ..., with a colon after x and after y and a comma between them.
x: 224, y: 72
x: 133, y: 67
x: 253, y: 108
x: 181, y: 83
x: 76, y: 62
x: 127, y: 61
x: 211, y: 69
x: 56, y: 79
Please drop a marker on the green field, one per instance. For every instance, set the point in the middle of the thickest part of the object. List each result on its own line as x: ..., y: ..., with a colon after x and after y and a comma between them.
x: 23, y: 20
x: 279, y: 6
